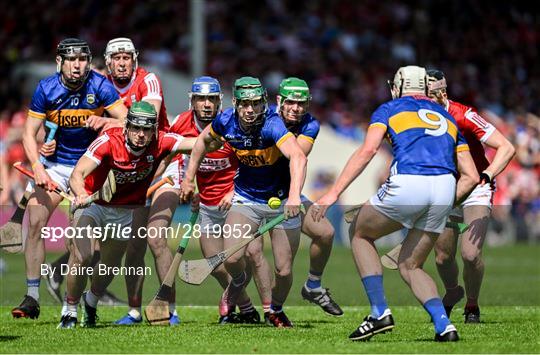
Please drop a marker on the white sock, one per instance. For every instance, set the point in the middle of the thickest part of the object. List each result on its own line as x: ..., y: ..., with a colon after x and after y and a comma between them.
x: 70, y: 309
x: 135, y: 312
x: 91, y: 299
x: 172, y: 308
x: 33, y: 291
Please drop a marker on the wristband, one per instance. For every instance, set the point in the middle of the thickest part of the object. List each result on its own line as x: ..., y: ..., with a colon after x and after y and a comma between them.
x: 486, y: 176
x: 35, y: 163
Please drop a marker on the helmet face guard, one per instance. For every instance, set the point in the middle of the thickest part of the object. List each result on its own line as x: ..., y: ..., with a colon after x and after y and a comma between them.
x: 72, y: 48
x: 293, y: 90
x: 120, y: 45
x: 141, y: 115
x: 436, y: 81
x: 203, y: 87
x: 249, y: 92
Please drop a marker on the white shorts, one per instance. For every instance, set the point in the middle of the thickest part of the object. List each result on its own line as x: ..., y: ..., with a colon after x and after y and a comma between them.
x: 175, y: 173
x: 262, y: 213
x: 480, y: 196
x: 59, y: 173
x: 118, y: 217
x: 417, y: 201
x: 209, y: 216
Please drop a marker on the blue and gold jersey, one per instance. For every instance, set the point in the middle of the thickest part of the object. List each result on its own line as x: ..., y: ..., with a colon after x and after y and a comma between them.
x: 54, y: 102
x: 308, y: 129
x: 259, y: 174
x: 424, y: 136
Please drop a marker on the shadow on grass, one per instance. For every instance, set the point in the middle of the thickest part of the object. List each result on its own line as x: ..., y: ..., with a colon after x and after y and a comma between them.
x: 4, y: 338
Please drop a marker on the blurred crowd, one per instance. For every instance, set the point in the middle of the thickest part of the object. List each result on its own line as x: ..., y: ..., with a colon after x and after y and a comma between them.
x: 345, y: 49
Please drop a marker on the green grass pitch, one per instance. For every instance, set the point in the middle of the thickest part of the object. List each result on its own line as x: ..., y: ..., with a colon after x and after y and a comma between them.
x: 510, y: 304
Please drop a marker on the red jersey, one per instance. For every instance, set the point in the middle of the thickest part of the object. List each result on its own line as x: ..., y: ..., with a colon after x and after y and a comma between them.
x: 144, y: 85
x: 133, y: 171
x: 475, y: 129
x: 216, y: 173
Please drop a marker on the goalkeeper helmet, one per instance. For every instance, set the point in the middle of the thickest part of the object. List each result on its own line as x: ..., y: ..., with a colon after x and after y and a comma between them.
x: 70, y: 49
x: 250, y: 102
x: 408, y: 80
x: 209, y: 89
x: 141, y: 125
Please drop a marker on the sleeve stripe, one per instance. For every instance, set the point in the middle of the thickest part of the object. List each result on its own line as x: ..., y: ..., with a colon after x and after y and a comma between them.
x: 152, y: 97
x: 179, y: 139
x: 114, y: 104
x: 89, y: 155
x: 153, y: 85
x: 378, y: 124
x: 462, y: 148
x: 98, y: 142
x: 307, y: 138
x: 489, y: 131
x: 283, y: 139
x: 476, y: 119
x: 36, y: 114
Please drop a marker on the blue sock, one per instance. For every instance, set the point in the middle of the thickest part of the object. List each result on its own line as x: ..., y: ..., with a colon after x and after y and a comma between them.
x: 375, y: 292
x: 275, y: 308
x: 314, y: 280
x: 436, y: 310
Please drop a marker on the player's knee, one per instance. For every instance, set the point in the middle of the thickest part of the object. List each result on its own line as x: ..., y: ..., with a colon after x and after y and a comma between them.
x: 409, y: 264
x: 324, y: 234
x: 36, y: 221
x: 255, y: 257
x: 284, y: 271
x: 443, y: 257
x: 473, y: 256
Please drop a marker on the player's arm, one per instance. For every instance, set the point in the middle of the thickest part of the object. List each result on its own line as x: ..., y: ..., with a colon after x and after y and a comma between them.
x: 84, y: 167
x: 305, y: 143
x: 468, y: 178
x: 31, y: 129
x: 205, y: 143
x: 185, y: 146
x: 297, y: 166
x: 354, y: 167
x: 505, y: 153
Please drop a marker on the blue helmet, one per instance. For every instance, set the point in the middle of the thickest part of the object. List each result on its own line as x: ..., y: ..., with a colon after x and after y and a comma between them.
x: 206, y: 86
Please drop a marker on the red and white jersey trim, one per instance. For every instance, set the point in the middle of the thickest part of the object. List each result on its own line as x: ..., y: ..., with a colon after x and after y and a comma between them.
x: 104, y: 138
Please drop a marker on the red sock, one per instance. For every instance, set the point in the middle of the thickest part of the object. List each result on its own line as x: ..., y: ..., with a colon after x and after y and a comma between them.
x: 471, y: 303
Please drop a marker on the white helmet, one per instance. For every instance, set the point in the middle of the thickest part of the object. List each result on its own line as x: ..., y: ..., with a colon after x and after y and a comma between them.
x: 120, y: 45
x: 408, y: 80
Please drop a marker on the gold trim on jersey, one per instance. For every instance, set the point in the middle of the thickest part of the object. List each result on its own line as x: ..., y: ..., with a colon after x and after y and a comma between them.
x: 307, y: 138
x: 284, y: 138
x: 462, y: 148
x: 35, y: 114
x: 114, y: 104
x: 406, y: 120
